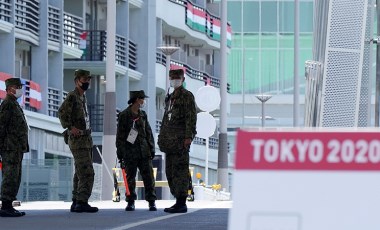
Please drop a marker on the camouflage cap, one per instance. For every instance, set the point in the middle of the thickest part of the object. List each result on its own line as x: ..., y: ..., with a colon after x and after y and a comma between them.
x: 176, y: 73
x: 137, y: 94
x: 82, y: 73
x: 12, y: 81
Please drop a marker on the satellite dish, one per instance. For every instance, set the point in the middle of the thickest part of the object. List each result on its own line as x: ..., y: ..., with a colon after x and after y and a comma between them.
x: 207, y: 98
x: 206, y: 125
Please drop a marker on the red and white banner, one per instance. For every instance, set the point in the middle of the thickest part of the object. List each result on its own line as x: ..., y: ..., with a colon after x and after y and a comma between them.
x: 83, y: 40
x: 174, y: 67
x: 308, y: 150
x: 3, y: 77
x: 34, y: 91
x: 35, y: 95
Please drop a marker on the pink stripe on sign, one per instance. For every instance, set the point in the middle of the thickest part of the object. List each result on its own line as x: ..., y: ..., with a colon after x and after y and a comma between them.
x: 216, y: 22
x: 199, y: 13
x: 196, y: 11
x: 189, y: 7
x: 308, y: 150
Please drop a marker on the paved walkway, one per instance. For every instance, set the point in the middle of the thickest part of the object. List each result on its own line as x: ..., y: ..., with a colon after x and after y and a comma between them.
x: 55, y: 215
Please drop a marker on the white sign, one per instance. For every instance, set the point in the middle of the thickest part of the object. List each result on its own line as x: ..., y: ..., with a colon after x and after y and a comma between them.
x: 306, y: 181
x: 206, y: 125
x: 207, y: 98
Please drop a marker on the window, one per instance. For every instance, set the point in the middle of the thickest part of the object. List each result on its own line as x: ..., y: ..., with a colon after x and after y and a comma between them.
x: 251, y: 14
x: 269, y: 16
x: 33, y: 157
x: 234, y: 15
x: 286, y: 17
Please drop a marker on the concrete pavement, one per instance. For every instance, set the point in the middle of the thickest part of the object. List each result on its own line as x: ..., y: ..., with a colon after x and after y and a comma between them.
x: 56, y: 215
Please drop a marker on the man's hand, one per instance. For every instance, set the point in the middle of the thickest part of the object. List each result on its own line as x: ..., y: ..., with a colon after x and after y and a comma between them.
x: 187, y: 143
x: 152, y: 155
x: 122, y: 163
x: 74, y: 131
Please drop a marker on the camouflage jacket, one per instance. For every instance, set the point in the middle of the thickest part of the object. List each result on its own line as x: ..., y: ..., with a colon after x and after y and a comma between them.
x: 144, y: 146
x: 72, y: 114
x: 180, y: 115
x: 13, y: 126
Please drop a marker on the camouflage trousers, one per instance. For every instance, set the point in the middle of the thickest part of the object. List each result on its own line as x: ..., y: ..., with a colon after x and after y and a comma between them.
x: 177, y: 173
x: 83, y: 180
x: 11, y: 175
x: 146, y: 171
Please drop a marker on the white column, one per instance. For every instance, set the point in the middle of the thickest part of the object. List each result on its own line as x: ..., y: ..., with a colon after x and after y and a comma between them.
x: 109, y: 118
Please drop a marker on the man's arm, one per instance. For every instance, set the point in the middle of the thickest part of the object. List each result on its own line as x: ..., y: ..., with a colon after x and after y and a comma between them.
x: 120, y: 135
x: 5, y: 116
x: 191, y: 119
x: 65, y: 112
x: 149, y: 136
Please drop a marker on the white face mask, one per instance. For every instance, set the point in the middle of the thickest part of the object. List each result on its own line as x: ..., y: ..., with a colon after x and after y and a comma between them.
x: 176, y: 83
x: 18, y: 93
x: 143, y: 105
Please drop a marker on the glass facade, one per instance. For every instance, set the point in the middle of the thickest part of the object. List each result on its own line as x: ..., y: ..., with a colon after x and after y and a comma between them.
x: 262, y: 53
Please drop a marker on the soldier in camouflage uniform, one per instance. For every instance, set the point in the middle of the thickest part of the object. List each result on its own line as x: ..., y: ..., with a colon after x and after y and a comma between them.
x: 136, y: 148
x: 13, y: 145
x: 74, y: 117
x: 177, y: 131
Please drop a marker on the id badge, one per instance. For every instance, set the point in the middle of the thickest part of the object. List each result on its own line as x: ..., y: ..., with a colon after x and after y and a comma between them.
x: 132, y: 135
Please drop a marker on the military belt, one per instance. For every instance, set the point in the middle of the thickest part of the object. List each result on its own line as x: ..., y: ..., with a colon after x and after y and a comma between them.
x: 84, y: 132
x: 175, y: 130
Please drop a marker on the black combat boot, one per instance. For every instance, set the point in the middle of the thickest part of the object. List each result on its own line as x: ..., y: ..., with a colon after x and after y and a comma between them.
x: 167, y: 209
x: 73, y: 205
x: 7, y: 210
x: 152, y: 205
x: 84, y: 207
x: 130, y: 206
x: 180, y: 206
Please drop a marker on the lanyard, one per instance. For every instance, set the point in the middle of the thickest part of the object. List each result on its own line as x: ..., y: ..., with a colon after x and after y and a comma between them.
x: 134, y: 121
x: 171, y: 103
x: 84, y: 104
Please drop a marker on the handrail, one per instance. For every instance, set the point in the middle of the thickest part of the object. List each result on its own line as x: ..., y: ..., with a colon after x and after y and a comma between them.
x: 213, y: 141
x: 211, y: 21
x: 192, y: 72
x: 96, y: 47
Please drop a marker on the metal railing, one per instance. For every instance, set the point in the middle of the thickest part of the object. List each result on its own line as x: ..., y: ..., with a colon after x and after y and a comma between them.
x: 72, y: 29
x: 51, y: 180
x: 213, y: 141
x: 96, y: 112
x: 54, y: 24
x: 97, y: 46
x: 5, y: 10
x: 27, y: 16
x: 53, y: 101
x: 209, y: 19
x: 132, y: 55
x: 192, y: 72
